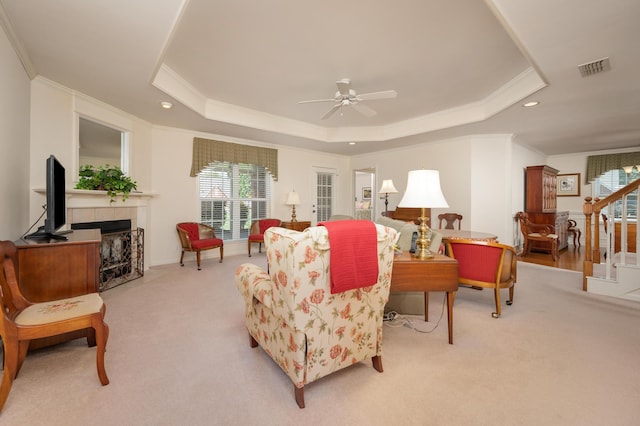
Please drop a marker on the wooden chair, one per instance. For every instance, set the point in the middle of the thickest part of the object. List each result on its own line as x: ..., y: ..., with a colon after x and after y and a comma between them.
x: 486, y: 264
x: 572, y: 229
x: 450, y: 220
x: 537, y: 232
x: 256, y: 234
x: 22, y: 321
x: 195, y: 237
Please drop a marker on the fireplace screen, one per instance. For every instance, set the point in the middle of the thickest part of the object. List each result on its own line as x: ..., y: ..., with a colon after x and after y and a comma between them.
x: 122, y: 257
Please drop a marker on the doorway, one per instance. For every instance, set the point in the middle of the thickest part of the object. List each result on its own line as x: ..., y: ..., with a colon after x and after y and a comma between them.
x: 364, y: 190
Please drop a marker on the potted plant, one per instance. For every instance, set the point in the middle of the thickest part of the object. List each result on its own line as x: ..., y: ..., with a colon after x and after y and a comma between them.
x: 106, y: 178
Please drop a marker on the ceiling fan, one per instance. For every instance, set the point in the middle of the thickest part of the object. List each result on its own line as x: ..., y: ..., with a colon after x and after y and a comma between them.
x: 346, y: 96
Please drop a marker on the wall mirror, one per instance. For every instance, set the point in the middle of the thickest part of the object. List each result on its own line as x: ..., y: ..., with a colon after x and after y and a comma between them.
x: 101, y: 145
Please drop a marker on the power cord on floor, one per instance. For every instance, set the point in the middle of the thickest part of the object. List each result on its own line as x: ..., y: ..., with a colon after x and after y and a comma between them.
x: 394, y: 319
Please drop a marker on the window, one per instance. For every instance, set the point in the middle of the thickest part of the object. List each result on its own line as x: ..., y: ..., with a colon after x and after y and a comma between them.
x: 232, y: 196
x: 611, y: 181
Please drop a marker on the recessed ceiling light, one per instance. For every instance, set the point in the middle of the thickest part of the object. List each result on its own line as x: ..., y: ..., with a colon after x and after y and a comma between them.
x: 530, y: 104
x: 166, y: 105
x: 352, y: 143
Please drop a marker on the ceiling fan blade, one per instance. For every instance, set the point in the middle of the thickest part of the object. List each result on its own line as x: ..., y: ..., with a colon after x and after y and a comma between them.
x: 331, y: 111
x: 385, y: 94
x: 363, y: 109
x: 316, y: 100
x: 343, y: 86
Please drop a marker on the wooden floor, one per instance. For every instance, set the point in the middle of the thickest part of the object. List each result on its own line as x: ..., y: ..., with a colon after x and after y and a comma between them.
x: 570, y: 258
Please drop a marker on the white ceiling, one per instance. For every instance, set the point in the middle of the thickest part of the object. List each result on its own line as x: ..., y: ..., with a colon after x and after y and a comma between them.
x: 239, y: 68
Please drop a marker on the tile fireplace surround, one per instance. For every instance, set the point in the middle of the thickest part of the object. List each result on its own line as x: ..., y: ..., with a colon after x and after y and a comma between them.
x: 94, y: 206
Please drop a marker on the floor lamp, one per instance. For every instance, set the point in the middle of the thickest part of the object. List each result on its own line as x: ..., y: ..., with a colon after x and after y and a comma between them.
x: 386, y: 189
x: 423, y: 191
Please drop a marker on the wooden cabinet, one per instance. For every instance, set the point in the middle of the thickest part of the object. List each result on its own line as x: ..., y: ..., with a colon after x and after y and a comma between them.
x: 51, y: 270
x: 296, y: 226
x: 55, y: 270
x: 540, y: 189
x: 540, y: 202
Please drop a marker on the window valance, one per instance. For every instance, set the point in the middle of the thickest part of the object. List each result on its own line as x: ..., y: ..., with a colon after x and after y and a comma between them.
x: 599, y: 164
x: 207, y: 151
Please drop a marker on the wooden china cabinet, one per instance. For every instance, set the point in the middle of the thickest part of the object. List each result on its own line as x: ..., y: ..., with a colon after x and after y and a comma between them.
x: 541, y: 201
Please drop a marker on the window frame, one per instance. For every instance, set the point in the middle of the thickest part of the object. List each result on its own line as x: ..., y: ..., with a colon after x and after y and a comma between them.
x: 224, y: 194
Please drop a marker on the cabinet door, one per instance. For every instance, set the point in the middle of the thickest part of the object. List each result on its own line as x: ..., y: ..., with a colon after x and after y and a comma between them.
x: 57, y: 271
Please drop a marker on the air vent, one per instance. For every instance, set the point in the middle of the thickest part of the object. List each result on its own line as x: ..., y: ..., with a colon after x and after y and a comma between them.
x: 595, y: 67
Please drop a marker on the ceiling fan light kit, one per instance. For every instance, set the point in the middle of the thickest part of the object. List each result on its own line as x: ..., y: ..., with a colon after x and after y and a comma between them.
x: 347, y: 97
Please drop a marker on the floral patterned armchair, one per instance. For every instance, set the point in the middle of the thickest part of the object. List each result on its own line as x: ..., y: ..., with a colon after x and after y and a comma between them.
x: 292, y: 315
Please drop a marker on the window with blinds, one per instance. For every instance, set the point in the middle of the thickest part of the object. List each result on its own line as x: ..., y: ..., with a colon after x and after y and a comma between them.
x: 324, y: 196
x: 232, y: 196
x: 611, y: 181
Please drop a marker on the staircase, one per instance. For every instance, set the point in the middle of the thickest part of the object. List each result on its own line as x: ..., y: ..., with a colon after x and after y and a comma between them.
x: 619, y: 275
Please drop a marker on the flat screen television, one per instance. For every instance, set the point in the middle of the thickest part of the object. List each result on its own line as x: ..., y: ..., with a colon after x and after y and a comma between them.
x: 56, y: 203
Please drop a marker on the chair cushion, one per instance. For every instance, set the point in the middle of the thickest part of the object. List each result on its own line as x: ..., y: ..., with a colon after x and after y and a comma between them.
x: 193, y: 231
x: 265, y: 224
x: 206, y: 243
x: 256, y: 237
x: 539, y: 235
x: 60, y: 310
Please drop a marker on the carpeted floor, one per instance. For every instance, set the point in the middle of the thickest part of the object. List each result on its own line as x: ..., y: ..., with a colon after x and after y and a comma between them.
x: 178, y: 354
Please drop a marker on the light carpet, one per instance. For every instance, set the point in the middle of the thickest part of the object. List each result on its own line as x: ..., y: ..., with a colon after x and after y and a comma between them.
x: 178, y: 354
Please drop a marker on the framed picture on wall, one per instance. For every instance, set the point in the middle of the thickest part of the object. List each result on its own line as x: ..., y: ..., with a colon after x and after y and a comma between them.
x: 366, y: 193
x: 568, y: 185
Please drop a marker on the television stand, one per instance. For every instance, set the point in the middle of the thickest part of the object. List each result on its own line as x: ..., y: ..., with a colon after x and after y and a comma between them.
x: 41, y: 234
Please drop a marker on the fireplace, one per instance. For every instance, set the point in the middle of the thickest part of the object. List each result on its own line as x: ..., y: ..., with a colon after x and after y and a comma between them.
x: 121, y: 251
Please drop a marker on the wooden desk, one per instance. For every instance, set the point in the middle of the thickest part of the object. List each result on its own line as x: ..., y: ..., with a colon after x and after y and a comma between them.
x: 437, y: 274
x: 296, y: 226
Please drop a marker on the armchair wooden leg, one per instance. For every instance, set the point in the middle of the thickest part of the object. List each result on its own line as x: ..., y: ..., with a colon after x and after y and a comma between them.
x: 182, y: 258
x: 249, y: 247
x: 221, y: 254
x: 198, y: 259
x: 299, y: 392
x: 377, y: 363
x: 252, y: 342
x: 498, y: 311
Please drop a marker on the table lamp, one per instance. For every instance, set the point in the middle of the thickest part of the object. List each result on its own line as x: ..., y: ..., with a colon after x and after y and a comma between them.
x: 386, y: 189
x: 423, y: 191
x: 293, y: 199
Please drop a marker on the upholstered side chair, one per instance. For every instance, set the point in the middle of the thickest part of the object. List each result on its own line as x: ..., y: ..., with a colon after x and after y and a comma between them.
x: 256, y: 233
x: 291, y: 313
x: 486, y: 265
x: 22, y: 321
x: 196, y: 237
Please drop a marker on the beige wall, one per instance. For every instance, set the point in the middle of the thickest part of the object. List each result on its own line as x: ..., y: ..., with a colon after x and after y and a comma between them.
x: 176, y: 193
x: 14, y: 144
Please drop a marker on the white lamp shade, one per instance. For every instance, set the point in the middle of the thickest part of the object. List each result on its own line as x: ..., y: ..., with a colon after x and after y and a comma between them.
x: 423, y: 190
x: 293, y: 199
x: 387, y: 187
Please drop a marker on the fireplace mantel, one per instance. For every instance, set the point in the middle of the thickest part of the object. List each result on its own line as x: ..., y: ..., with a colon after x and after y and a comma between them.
x: 83, y: 198
x: 94, y: 206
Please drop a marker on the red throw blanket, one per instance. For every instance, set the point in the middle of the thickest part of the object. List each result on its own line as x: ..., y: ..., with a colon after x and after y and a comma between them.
x: 354, y: 254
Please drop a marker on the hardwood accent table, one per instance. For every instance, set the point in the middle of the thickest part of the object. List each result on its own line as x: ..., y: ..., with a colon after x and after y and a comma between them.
x: 296, y: 226
x: 454, y: 234
x: 437, y: 274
